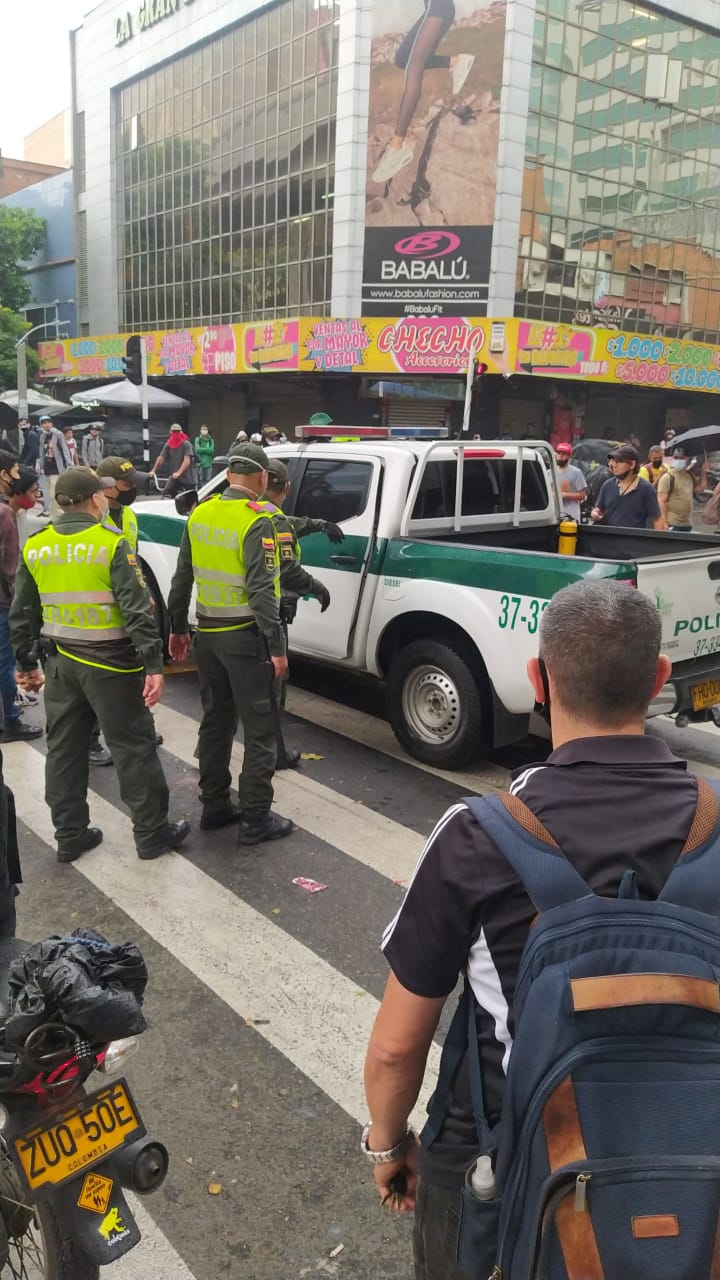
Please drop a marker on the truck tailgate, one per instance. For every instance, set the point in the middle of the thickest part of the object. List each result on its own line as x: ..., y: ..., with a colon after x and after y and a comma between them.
x: 686, y: 590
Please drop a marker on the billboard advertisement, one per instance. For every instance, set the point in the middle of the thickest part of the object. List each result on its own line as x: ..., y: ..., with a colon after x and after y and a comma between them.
x: 433, y: 127
x: 414, y: 346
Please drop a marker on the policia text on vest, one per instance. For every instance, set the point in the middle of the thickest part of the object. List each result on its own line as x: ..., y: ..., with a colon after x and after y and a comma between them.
x: 79, y: 587
x: 229, y: 553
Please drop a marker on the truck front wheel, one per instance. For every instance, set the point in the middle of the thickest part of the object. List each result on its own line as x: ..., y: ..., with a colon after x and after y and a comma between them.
x: 436, y: 706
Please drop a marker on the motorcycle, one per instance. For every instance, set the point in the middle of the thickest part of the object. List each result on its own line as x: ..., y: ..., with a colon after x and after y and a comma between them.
x: 67, y: 1155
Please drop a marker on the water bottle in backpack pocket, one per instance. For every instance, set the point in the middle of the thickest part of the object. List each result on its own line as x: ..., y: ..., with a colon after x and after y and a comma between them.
x: 607, y: 1154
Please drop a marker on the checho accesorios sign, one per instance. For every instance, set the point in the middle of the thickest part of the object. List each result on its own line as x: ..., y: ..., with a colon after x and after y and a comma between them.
x: 419, y: 345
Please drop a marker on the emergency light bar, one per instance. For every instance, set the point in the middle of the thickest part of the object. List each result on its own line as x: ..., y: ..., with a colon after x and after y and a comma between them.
x: 347, y: 435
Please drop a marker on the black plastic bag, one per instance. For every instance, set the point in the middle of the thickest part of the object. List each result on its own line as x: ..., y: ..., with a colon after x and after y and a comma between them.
x: 81, y: 980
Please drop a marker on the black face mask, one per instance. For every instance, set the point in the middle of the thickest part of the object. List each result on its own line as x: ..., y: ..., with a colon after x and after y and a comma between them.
x: 16, y: 486
x: 126, y: 497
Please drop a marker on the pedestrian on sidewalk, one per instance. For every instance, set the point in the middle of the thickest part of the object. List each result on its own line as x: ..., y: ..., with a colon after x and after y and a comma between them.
x: 93, y: 446
x: 53, y: 461
x: 80, y: 590
x: 179, y: 455
x: 70, y: 441
x: 204, y: 452
x: 229, y: 553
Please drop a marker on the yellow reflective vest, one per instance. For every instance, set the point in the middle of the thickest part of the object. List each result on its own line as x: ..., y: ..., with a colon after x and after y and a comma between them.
x: 124, y: 522
x: 72, y: 575
x: 217, y: 530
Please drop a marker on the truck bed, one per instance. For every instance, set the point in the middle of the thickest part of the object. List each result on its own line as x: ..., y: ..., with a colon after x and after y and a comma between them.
x: 594, y: 542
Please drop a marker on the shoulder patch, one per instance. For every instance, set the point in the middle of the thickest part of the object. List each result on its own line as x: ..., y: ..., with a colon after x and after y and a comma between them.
x: 256, y: 506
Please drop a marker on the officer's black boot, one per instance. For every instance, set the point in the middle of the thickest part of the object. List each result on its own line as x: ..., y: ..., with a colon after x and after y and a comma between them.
x: 288, y: 759
x: 90, y: 839
x: 255, y: 828
x: 171, y: 838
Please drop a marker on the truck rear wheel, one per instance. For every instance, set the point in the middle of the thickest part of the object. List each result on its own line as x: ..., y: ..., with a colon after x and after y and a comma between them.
x: 436, y: 705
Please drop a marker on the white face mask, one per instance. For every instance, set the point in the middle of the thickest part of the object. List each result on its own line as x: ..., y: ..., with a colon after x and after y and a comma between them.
x: 678, y: 464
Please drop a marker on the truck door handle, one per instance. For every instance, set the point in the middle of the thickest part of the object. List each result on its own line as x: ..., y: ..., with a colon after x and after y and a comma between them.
x: 344, y: 559
x: 714, y: 569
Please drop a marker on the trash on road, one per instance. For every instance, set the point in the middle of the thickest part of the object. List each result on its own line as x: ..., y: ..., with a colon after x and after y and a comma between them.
x: 214, y: 1188
x: 312, y: 886
x: 338, y: 1249
x: 310, y: 755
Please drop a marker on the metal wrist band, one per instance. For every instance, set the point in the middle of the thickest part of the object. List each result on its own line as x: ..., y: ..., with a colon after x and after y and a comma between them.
x: 393, y: 1153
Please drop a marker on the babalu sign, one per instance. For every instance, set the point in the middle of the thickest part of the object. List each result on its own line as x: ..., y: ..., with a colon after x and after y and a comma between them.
x: 149, y: 13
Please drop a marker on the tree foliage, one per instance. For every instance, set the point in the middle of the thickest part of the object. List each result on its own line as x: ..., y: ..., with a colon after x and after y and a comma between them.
x: 22, y: 234
x: 12, y: 327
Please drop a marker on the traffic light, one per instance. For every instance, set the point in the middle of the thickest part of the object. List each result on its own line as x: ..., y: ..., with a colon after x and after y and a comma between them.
x: 132, y: 362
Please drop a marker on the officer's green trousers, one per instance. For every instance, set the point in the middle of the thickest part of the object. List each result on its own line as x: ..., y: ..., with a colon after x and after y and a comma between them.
x: 77, y: 694
x: 234, y: 686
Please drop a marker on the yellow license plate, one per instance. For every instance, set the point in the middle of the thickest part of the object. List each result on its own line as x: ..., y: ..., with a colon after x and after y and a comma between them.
x: 79, y: 1138
x: 706, y: 693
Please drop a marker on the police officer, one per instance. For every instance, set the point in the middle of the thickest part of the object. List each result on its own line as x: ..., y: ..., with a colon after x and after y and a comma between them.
x: 80, y: 589
x: 294, y: 580
x: 120, y: 496
x: 229, y: 552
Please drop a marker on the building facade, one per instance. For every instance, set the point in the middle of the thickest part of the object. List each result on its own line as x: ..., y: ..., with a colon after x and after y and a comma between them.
x: 51, y: 274
x: 556, y: 160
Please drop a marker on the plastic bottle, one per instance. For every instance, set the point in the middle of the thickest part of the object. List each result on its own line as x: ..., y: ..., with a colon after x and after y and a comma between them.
x: 567, y: 537
x: 482, y: 1179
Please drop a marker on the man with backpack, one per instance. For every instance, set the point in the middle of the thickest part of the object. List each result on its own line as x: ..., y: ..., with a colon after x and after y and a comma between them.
x: 573, y: 907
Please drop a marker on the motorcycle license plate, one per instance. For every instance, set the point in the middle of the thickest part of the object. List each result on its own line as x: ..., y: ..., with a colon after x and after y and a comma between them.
x: 705, y: 694
x: 78, y: 1138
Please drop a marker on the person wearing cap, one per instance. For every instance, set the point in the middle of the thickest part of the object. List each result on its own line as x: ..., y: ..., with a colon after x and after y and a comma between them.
x: 294, y: 580
x: 93, y: 446
x: 120, y: 496
x: 229, y: 553
x: 179, y: 455
x: 625, y: 500
x: 677, y: 488
x: 80, y: 591
x: 572, y: 482
x: 53, y: 461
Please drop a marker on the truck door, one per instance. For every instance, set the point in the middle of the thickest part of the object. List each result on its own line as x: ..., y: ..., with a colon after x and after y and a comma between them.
x: 345, y: 490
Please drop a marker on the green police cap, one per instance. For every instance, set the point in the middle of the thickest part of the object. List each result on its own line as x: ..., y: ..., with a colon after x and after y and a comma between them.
x: 278, y: 473
x: 117, y: 469
x: 77, y: 484
x: 247, y: 458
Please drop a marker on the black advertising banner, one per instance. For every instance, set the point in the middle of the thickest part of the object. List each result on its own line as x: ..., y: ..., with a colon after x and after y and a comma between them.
x: 435, y: 79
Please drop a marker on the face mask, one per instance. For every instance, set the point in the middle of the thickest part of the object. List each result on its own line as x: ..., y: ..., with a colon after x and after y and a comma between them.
x: 204, y: 431
x: 26, y: 502
x: 102, y: 507
x: 678, y: 464
x: 126, y: 497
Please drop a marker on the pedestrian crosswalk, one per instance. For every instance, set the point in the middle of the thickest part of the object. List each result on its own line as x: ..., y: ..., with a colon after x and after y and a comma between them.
x: 264, y: 996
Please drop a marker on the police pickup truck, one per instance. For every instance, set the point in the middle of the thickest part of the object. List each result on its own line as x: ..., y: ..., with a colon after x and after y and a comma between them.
x: 449, y: 559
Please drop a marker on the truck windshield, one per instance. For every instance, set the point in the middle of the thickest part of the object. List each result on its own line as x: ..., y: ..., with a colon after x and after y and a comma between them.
x: 488, y: 488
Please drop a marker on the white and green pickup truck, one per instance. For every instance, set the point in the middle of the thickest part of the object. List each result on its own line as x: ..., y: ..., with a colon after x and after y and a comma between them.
x: 450, y: 557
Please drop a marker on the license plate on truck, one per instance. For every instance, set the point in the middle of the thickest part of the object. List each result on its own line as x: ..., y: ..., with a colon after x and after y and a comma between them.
x: 78, y: 1138
x: 706, y: 693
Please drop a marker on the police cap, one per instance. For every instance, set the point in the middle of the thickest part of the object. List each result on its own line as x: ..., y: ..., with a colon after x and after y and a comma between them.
x: 117, y: 469
x: 247, y: 458
x: 77, y: 484
x: 277, y: 473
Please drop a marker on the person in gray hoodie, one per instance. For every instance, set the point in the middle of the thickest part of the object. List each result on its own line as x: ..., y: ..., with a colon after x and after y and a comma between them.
x: 54, y: 459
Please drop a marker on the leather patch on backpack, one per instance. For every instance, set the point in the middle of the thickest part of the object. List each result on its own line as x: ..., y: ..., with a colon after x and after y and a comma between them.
x: 654, y: 1226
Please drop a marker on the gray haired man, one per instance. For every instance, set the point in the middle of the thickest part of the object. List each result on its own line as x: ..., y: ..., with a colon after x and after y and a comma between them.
x: 465, y: 911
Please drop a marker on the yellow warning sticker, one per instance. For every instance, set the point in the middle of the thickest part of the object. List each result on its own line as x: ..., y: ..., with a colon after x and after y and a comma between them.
x: 95, y: 1193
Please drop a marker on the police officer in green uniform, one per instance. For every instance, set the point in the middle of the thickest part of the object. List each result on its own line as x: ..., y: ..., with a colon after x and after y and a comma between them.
x: 121, y: 495
x: 80, y: 590
x: 229, y: 552
x: 294, y: 580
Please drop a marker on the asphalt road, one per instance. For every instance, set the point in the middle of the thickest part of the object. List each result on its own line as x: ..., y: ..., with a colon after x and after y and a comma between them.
x: 262, y: 994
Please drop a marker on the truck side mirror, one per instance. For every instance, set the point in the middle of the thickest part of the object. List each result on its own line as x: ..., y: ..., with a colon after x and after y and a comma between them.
x: 186, y: 502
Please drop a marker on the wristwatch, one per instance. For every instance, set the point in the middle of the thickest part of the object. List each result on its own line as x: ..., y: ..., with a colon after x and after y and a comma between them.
x: 393, y: 1153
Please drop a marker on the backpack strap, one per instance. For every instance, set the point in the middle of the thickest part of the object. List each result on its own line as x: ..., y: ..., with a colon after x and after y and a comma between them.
x: 535, y: 857
x: 461, y: 1036
x: 694, y: 881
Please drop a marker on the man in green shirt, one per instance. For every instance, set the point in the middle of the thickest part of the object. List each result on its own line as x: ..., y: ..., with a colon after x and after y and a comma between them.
x: 229, y: 553
x: 204, y: 452
x: 81, y: 595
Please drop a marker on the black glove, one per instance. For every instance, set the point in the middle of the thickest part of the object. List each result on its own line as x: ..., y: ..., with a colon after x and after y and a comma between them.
x: 322, y: 595
x: 333, y: 532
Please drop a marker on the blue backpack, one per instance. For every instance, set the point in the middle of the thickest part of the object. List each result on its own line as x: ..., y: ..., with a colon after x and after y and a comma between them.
x: 607, y: 1153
